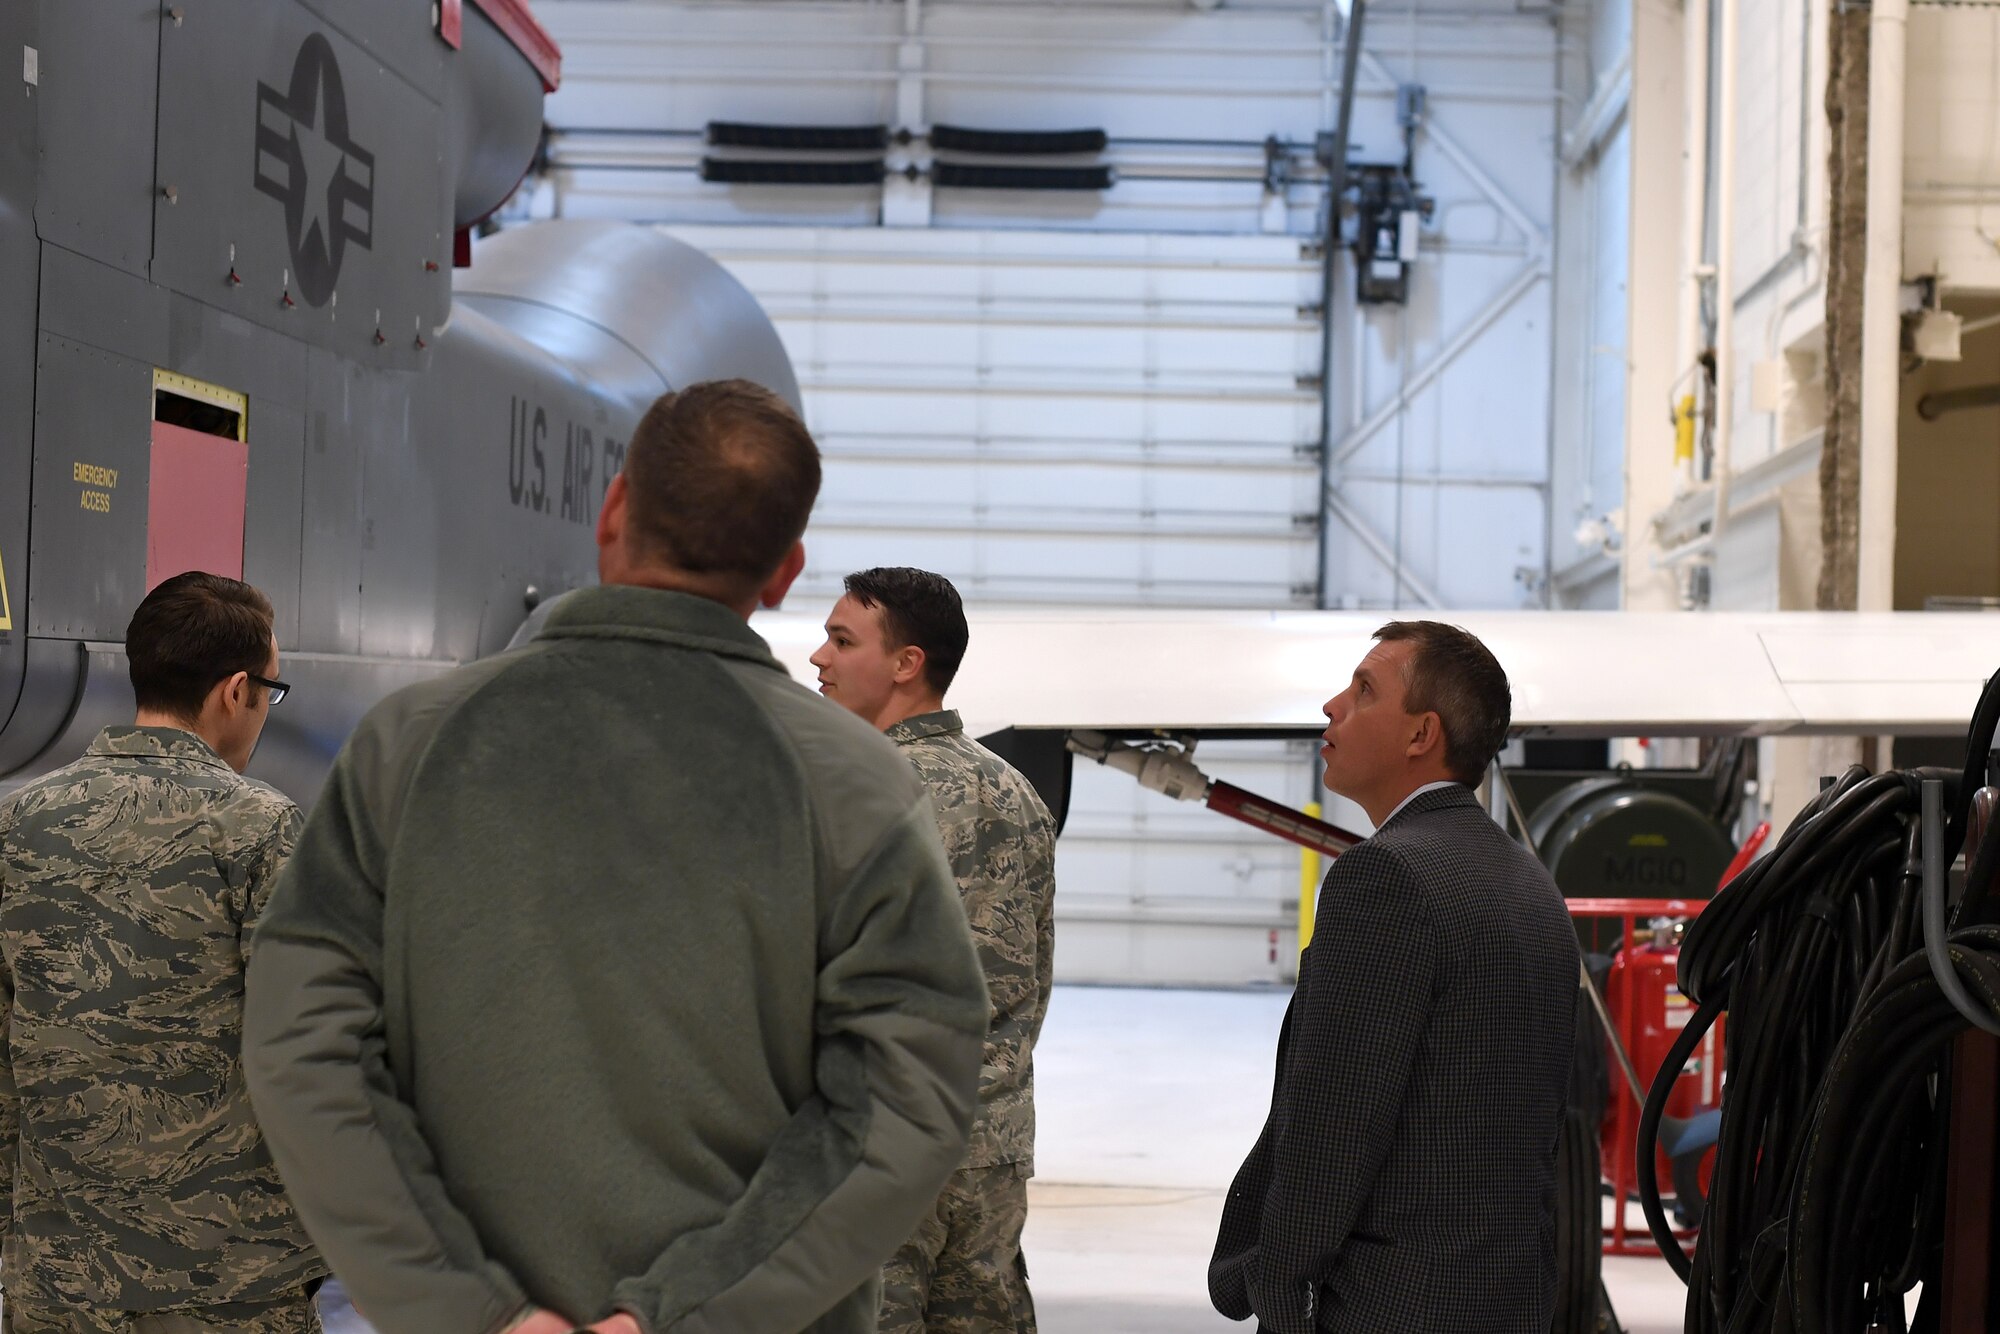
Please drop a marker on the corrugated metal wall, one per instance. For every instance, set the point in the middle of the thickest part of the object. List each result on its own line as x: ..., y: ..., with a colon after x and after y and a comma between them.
x: 1049, y: 417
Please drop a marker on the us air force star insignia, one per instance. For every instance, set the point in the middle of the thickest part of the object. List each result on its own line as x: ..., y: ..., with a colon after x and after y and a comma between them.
x: 308, y: 162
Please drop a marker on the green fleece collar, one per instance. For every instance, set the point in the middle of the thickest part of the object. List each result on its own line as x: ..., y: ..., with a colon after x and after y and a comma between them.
x: 916, y: 728
x: 157, y: 743
x: 622, y: 611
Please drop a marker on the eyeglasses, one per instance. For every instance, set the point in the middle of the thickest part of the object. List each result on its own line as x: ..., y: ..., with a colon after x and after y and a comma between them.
x: 278, y: 689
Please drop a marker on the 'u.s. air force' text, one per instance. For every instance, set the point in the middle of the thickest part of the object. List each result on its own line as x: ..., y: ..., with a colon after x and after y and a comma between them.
x: 587, y: 465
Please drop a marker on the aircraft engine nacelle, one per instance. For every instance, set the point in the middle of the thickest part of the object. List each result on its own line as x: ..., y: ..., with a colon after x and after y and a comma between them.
x: 231, y: 339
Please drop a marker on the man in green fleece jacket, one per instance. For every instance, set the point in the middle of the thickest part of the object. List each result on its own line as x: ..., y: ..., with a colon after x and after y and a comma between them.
x: 619, y: 978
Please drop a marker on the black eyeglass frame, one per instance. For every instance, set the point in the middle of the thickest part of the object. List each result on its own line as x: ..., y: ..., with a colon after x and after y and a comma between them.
x: 278, y: 689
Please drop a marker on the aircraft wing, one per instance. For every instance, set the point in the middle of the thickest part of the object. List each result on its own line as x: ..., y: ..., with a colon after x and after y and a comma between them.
x: 1574, y: 673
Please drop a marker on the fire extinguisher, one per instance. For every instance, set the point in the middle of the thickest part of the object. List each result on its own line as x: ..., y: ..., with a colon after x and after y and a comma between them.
x: 1650, y: 1012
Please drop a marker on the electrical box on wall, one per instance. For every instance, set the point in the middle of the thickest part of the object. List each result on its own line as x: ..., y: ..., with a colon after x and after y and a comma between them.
x: 1935, y: 334
x: 1388, y: 212
x: 1388, y: 217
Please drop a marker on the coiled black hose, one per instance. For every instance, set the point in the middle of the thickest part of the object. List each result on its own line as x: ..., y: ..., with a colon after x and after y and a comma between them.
x: 1936, y: 951
x: 1825, y: 1200
x: 1864, y: 1225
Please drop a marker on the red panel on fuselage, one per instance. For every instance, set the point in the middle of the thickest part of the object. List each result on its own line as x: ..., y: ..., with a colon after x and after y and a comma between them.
x: 194, y: 506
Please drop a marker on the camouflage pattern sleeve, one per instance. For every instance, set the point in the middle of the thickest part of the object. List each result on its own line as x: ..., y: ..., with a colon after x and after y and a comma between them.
x: 139, y: 1177
x: 10, y: 1098
x: 1000, y: 841
x: 260, y: 877
x: 1042, y: 883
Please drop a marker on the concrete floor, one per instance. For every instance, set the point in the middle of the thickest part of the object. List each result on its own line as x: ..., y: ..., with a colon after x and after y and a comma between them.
x: 1147, y: 1102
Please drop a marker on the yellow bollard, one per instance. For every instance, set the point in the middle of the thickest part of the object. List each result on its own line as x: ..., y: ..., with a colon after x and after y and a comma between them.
x: 1308, y: 885
x: 1684, y: 431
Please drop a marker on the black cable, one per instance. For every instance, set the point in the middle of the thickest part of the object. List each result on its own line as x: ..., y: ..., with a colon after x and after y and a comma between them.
x: 1879, y: 1093
x: 1649, y: 1134
x: 1836, y: 966
x: 1934, y: 914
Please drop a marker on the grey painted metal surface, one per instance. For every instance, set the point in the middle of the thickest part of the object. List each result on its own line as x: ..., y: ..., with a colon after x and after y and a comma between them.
x: 403, y: 496
x: 301, y: 182
x: 86, y: 566
x: 20, y: 259
x: 675, y: 310
x: 495, y: 121
x: 110, y: 50
x: 51, y: 684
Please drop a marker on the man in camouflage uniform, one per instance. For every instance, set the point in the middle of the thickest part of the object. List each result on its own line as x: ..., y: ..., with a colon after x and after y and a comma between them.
x: 141, y: 1197
x: 894, y: 642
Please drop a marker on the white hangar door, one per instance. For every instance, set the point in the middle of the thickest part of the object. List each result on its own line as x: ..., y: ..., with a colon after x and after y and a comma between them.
x: 1076, y: 418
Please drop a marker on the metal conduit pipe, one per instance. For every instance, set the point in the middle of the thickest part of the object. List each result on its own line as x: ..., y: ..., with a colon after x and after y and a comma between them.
x: 1881, y: 305
x: 1694, y: 198
x: 1336, y: 166
x: 1725, y: 269
x: 1934, y: 405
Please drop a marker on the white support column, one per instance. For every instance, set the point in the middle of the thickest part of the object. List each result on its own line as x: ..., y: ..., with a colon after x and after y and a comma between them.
x: 1881, y: 306
x: 1653, y: 297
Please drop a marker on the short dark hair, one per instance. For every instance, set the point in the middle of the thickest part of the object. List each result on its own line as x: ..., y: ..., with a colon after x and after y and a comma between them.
x: 919, y: 608
x: 1450, y: 673
x: 721, y: 479
x: 191, y: 631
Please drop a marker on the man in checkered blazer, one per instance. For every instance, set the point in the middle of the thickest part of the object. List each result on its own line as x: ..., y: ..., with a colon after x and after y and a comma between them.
x: 1405, y: 1179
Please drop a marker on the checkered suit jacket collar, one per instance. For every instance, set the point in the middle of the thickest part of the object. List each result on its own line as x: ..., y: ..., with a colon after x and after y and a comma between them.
x: 1437, y: 799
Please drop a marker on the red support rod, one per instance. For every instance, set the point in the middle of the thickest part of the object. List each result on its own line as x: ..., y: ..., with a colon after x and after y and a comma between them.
x: 1293, y: 826
x: 1745, y: 854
